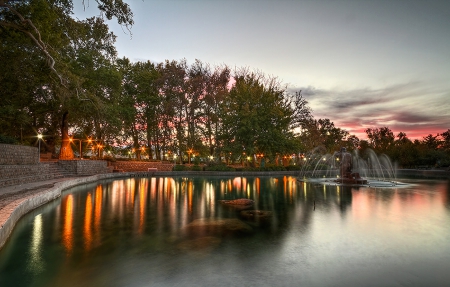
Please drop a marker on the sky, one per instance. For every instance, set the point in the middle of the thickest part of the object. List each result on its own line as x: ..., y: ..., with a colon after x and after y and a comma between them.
x: 360, y: 63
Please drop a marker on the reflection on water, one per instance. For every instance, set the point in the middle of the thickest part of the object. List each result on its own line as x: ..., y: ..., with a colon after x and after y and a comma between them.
x: 163, y: 231
x: 36, y: 263
x: 67, y: 235
x: 87, y: 223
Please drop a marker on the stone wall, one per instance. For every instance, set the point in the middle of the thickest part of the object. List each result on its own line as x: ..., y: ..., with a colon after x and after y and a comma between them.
x: 141, y: 165
x: 18, y: 155
x: 84, y: 167
x: 20, y: 164
x: 20, y: 174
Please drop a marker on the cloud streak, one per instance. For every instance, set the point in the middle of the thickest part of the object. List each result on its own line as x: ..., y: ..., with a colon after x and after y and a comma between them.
x: 415, y: 108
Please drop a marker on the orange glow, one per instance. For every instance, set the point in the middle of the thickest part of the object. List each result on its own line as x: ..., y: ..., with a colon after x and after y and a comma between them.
x: 142, y: 198
x: 67, y: 227
x: 88, y: 223
x: 98, y: 209
x: 190, y: 197
x: 237, y: 182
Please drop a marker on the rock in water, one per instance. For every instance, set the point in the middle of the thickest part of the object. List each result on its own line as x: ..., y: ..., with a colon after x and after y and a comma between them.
x: 241, y: 203
x: 216, y: 226
x: 256, y: 215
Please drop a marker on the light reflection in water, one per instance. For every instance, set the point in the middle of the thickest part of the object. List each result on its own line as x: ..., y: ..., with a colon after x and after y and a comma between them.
x: 98, y: 210
x: 134, y: 230
x: 36, y: 263
x: 88, y: 223
x: 67, y: 236
x: 142, y: 205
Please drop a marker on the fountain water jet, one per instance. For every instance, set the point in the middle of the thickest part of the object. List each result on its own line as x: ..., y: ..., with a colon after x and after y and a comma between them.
x: 345, y: 168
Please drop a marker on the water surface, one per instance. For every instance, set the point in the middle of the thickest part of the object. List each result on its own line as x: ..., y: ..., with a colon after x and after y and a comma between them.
x: 145, y: 232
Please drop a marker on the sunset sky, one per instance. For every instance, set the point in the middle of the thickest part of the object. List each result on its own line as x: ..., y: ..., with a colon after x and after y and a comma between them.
x: 362, y: 64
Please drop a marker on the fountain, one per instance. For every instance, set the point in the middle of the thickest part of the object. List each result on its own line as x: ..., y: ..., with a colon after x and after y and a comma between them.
x: 346, y: 168
x: 346, y: 173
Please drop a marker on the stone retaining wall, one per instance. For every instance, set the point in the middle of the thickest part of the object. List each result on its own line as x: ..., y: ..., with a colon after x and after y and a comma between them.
x: 18, y: 155
x: 84, y: 167
x: 141, y: 165
x: 20, y: 174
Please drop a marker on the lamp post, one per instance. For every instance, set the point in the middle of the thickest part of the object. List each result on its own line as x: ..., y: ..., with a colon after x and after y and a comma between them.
x: 39, y: 143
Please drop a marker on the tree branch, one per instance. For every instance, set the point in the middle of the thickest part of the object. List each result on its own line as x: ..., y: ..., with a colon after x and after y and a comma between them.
x: 26, y: 24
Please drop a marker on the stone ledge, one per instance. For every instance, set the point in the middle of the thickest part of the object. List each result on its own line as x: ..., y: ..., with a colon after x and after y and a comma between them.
x: 12, y: 213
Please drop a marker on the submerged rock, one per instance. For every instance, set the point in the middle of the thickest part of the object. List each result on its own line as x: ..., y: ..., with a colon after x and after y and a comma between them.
x: 239, y: 201
x: 256, y: 215
x: 238, y: 204
x: 216, y: 226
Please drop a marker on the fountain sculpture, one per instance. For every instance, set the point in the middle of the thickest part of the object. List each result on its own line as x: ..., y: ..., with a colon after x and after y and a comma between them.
x: 343, y: 167
x: 346, y: 169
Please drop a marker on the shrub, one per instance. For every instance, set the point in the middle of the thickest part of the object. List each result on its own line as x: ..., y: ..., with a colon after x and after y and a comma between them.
x: 180, y: 167
x: 196, y: 168
x: 218, y: 166
x: 7, y: 140
x: 293, y: 167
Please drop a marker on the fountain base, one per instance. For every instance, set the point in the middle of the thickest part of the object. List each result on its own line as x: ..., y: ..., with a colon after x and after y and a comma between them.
x: 351, y: 178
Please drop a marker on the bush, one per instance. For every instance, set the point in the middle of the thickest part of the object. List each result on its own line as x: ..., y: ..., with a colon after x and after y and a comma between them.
x: 7, y: 140
x: 196, y: 168
x: 180, y: 167
x: 218, y: 166
x: 293, y: 167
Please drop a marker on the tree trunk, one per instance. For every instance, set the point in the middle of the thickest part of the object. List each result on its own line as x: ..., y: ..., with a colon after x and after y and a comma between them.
x: 66, y: 151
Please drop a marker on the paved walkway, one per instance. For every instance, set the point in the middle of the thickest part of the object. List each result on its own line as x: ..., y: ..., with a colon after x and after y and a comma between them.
x: 13, y: 196
x: 13, y: 189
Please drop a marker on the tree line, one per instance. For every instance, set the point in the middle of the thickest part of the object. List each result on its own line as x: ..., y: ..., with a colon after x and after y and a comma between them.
x: 173, y: 109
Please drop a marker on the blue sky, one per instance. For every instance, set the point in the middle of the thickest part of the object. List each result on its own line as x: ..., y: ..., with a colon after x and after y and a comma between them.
x: 362, y: 64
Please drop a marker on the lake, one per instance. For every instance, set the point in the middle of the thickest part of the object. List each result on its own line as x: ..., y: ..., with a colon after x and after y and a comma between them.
x: 176, y: 231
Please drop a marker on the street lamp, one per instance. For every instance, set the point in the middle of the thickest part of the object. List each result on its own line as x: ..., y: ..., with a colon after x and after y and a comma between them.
x: 39, y: 143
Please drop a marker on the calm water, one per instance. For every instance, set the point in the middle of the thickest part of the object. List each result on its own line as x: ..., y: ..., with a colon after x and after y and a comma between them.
x: 146, y: 232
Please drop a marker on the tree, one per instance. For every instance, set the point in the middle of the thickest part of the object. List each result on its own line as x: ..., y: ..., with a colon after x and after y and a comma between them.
x: 431, y: 142
x: 404, y: 152
x: 445, y: 144
x: 210, y: 120
x: 83, y: 53
x: 324, y: 133
x: 256, y: 117
x: 17, y: 15
x: 380, y: 139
